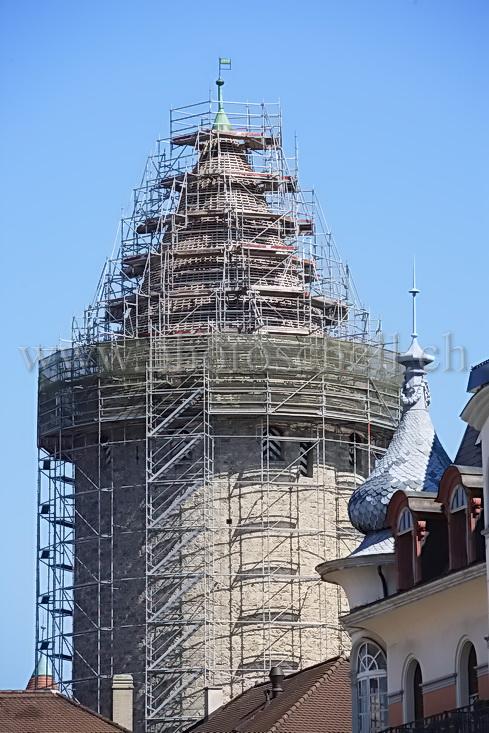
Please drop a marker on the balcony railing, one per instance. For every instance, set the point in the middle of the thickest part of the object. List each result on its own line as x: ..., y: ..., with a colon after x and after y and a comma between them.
x: 471, y: 719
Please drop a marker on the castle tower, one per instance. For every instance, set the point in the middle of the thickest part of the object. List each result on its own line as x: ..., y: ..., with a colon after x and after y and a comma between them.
x: 200, y: 441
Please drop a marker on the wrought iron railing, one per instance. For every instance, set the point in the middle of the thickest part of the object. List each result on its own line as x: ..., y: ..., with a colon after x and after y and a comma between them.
x: 471, y: 719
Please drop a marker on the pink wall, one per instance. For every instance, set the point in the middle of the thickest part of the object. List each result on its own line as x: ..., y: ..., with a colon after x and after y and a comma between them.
x: 395, y: 714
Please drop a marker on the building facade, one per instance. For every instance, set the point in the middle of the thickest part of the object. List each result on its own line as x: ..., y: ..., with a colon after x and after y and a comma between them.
x: 416, y: 586
x: 476, y: 415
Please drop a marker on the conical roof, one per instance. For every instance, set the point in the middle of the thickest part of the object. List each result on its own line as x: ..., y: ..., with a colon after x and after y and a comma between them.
x: 42, y: 676
x: 415, y: 459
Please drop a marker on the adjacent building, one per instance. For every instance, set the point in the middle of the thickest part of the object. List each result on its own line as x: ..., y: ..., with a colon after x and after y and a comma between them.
x: 417, y: 584
x: 476, y: 414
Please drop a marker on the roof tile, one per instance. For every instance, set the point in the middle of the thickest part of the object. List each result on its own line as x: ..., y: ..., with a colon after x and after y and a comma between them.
x: 47, y: 711
x: 316, y: 699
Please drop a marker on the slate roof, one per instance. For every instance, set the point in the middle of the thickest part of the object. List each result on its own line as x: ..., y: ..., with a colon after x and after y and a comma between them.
x: 314, y: 700
x: 479, y: 376
x: 380, y: 542
x: 469, y: 453
x: 414, y: 461
x: 45, y: 711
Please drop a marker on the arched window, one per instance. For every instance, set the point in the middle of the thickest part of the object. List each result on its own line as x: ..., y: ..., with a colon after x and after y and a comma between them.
x: 414, y: 692
x: 467, y: 675
x: 405, y: 550
x: 473, y: 684
x: 272, y: 448
x: 418, y: 693
x: 458, y: 528
x: 371, y: 688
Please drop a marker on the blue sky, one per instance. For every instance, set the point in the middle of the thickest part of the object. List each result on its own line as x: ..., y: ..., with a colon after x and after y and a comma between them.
x: 389, y: 100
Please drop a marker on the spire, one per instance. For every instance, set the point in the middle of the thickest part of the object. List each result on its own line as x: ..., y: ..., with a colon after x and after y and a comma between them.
x: 414, y: 292
x: 415, y: 391
x: 415, y: 459
x: 42, y: 676
x: 221, y: 121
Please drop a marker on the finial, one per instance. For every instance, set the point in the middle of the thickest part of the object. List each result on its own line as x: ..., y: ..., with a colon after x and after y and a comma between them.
x: 415, y: 354
x: 414, y: 292
x: 415, y: 393
x: 221, y: 121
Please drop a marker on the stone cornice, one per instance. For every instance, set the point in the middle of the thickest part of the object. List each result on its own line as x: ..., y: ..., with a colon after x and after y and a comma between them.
x: 446, y: 681
x: 345, y: 563
x: 482, y: 669
x: 395, y: 696
x: 415, y: 594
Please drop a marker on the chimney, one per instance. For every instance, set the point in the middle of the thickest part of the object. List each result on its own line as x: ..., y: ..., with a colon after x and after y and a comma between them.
x: 122, y: 700
x: 277, y: 677
x: 213, y: 699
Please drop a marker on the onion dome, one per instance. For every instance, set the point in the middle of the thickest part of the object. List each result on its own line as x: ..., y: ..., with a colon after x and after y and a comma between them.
x: 415, y: 459
x: 42, y: 677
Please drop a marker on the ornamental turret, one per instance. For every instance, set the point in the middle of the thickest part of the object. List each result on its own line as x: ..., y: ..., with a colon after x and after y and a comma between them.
x: 415, y: 459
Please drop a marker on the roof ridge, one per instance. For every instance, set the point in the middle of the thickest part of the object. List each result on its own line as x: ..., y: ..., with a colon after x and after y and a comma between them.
x: 33, y: 691
x: 275, y: 728
x: 229, y: 703
x: 312, y: 666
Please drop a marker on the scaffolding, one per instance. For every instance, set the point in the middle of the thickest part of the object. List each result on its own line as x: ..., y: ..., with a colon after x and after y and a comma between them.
x: 226, y: 325
x: 219, y: 229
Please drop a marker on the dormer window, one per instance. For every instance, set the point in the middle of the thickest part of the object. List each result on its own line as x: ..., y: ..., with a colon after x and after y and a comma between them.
x: 458, y: 527
x: 461, y: 496
x: 420, y: 531
x: 459, y: 499
x: 405, y: 522
x: 405, y: 550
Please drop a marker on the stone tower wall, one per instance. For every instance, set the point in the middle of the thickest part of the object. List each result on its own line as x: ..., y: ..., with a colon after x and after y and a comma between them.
x: 251, y: 597
x: 267, y: 538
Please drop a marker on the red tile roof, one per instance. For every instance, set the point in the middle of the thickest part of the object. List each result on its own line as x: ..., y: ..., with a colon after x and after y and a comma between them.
x: 46, y: 711
x: 41, y: 682
x: 314, y: 700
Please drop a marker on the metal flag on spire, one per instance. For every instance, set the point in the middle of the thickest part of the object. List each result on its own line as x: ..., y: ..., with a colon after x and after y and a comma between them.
x: 224, y: 63
x: 414, y: 292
